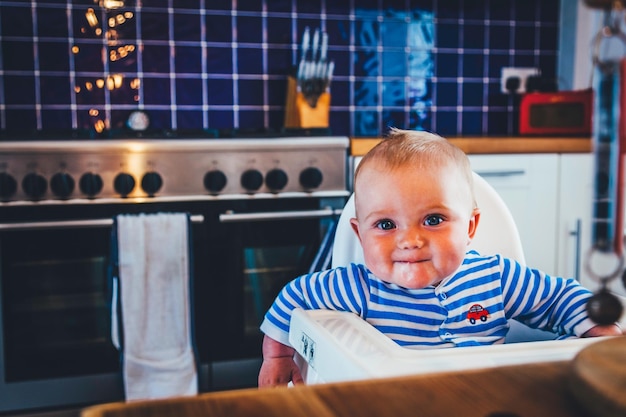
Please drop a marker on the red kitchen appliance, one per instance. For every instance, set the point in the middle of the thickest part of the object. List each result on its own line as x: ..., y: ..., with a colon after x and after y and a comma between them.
x: 561, y: 113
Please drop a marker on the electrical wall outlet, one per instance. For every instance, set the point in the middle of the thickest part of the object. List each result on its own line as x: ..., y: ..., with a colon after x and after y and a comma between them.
x: 521, y: 73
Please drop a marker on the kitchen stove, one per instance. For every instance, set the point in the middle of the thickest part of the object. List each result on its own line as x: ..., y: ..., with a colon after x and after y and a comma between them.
x: 262, y: 210
x: 105, y: 171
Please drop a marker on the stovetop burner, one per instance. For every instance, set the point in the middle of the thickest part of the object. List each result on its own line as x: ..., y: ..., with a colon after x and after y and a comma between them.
x: 129, y: 170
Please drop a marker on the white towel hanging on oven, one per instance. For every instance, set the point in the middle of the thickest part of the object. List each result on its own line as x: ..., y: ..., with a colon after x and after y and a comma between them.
x: 151, y: 314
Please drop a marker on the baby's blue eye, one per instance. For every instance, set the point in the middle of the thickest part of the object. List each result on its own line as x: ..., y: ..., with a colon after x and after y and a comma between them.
x: 385, y: 225
x: 433, y: 220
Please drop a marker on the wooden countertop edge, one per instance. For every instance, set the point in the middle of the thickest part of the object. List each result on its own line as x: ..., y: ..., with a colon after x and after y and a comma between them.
x: 495, y: 145
x: 510, y: 390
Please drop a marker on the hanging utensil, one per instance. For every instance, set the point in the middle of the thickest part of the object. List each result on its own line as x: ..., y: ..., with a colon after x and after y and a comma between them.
x: 606, y: 259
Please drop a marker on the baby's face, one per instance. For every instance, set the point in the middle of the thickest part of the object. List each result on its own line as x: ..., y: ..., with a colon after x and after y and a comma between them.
x: 414, y: 225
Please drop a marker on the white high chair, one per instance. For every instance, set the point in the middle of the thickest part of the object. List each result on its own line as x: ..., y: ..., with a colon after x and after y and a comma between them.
x: 348, y: 348
x: 496, y: 233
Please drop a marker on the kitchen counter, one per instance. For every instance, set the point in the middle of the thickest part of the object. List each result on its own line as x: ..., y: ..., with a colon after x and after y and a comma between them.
x: 590, y: 384
x: 523, y: 390
x: 498, y: 145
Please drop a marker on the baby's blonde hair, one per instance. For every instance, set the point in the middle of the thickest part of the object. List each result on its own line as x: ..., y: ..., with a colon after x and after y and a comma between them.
x: 419, y: 149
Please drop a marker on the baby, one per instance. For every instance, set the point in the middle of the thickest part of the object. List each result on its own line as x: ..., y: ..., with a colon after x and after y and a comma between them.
x: 415, y: 217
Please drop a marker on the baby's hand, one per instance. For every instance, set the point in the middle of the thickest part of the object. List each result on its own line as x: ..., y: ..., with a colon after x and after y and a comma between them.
x: 278, y: 368
x: 604, y: 330
x: 276, y: 372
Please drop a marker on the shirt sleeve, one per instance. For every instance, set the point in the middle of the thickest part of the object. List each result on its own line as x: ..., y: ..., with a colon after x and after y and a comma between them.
x: 542, y: 301
x: 340, y: 289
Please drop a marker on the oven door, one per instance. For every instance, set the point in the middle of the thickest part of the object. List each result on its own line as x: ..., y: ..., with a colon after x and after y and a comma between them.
x: 55, y: 317
x: 255, y: 248
x: 55, y: 346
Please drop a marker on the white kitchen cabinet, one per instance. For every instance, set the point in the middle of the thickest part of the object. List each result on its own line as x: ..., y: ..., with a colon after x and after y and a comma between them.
x: 528, y: 184
x: 575, y: 214
x: 550, y: 197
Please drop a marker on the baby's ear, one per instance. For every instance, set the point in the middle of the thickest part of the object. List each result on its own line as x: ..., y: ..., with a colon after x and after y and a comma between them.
x: 473, y: 224
x: 355, y: 226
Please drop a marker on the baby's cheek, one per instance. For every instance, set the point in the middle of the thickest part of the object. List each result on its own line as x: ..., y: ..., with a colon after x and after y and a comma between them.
x: 375, y: 262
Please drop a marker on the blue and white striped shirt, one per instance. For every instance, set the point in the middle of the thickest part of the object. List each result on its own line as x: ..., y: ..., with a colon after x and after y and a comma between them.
x: 471, y: 307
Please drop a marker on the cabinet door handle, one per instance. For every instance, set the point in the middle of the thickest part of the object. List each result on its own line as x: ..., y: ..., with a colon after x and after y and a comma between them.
x: 505, y: 173
x: 576, y: 234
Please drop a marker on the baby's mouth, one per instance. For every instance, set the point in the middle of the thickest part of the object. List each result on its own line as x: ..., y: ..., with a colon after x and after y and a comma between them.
x: 411, y: 261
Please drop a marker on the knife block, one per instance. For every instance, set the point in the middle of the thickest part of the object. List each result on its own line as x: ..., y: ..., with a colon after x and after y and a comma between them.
x: 299, y: 113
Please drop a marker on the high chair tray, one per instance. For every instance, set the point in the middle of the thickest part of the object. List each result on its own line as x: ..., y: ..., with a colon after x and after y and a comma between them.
x: 340, y: 346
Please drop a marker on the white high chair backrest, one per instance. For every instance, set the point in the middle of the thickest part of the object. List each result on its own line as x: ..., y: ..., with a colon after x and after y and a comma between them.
x: 496, y: 233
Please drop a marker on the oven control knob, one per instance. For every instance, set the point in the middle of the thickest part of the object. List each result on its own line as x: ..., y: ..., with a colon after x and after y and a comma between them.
x: 124, y: 184
x: 276, y: 179
x: 214, y: 181
x: 8, y: 185
x: 34, y: 185
x: 311, y: 178
x: 62, y: 184
x: 151, y: 183
x: 251, y: 180
x: 90, y: 184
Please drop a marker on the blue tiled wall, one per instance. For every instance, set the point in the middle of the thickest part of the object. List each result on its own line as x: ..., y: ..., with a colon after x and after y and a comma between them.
x: 213, y: 64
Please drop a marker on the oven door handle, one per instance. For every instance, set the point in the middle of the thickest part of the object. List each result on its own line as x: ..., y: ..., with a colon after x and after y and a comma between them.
x: 71, y: 224
x: 232, y: 217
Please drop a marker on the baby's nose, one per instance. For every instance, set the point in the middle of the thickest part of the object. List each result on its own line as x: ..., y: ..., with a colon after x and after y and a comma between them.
x: 411, y: 238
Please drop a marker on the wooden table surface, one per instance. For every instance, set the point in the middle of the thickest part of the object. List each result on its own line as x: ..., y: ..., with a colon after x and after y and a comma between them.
x: 494, y: 145
x: 523, y: 391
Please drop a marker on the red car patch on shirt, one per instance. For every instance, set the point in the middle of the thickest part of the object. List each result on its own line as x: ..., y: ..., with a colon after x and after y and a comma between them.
x: 477, y: 312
